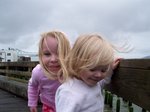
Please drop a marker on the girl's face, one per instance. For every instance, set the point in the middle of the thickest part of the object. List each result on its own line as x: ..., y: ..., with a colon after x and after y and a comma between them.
x: 92, y: 76
x: 50, y: 54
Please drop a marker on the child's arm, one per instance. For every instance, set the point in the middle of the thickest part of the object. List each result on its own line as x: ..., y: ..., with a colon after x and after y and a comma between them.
x: 32, y: 96
x: 109, y: 73
x: 33, y: 91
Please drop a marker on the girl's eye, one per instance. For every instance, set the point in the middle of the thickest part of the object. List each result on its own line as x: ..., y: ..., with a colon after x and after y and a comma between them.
x: 47, y: 54
x: 103, y: 70
x: 92, y: 70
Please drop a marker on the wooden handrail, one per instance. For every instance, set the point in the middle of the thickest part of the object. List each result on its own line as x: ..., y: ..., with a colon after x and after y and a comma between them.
x: 131, y: 81
x: 17, y: 68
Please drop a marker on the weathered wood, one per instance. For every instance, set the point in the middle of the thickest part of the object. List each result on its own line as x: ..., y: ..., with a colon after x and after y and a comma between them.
x: 12, y: 103
x: 17, y: 69
x: 132, y: 81
x: 15, y: 87
x: 20, y: 64
x: 21, y: 73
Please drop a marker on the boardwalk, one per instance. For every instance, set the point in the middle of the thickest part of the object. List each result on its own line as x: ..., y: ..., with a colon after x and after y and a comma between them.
x: 12, y: 103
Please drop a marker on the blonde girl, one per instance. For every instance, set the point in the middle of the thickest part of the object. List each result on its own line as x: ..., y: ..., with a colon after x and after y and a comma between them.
x: 53, y: 48
x: 88, y: 68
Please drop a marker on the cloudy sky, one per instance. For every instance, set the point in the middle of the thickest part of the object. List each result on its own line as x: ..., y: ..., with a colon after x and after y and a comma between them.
x: 120, y: 21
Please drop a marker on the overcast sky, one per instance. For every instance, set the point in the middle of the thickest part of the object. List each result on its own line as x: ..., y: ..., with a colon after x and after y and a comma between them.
x: 120, y: 21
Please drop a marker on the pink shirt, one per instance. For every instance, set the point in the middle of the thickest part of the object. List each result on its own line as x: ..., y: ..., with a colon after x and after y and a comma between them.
x: 40, y: 85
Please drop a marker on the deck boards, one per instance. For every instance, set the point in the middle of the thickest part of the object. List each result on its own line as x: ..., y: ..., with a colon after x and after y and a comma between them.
x: 12, y: 103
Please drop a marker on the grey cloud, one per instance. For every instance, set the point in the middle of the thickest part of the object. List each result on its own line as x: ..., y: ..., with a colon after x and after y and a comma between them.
x: 22, y: 19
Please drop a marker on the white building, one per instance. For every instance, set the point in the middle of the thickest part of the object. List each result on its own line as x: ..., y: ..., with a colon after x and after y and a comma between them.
x: 8, y: 55
x: 12, y: 55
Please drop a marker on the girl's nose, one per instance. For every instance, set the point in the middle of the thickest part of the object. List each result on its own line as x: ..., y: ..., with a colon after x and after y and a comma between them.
x: 54, y: 58
x: 98, y: 74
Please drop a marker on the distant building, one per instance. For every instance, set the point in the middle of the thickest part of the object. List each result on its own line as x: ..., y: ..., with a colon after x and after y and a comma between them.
x: 1, y: 59
x: 23, y: 58
x: 8, y: 55
x: 28, y: 56
x: 12, y: 55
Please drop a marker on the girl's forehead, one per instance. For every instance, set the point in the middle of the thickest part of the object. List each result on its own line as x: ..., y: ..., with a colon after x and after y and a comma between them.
x: 50, y: 43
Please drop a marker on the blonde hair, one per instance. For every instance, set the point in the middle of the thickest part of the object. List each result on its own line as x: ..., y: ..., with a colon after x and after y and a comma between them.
x: 89, y: 51
x: 63, y: 50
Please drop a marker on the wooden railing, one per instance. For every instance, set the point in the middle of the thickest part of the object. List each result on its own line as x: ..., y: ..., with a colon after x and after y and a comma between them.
x: 20, y: 70
x: 131, y: 80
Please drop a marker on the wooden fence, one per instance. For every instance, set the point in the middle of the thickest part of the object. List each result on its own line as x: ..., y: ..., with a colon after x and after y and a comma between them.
x: 131, y: 80
x: 20, y: 70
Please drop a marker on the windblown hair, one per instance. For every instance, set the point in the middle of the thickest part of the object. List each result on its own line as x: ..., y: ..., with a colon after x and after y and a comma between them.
x: 89, y: 51
x: 63, y: 49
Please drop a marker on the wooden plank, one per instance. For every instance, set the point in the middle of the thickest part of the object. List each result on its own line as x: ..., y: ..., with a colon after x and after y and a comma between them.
x: 21, y: 73
x: 12, y: 103
x: 20, y: 64
x: 136, y: 63
x: 132, y: 82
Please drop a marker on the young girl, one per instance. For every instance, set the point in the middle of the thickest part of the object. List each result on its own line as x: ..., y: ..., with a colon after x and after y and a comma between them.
x: 89, y: 67
x: 53, y: 48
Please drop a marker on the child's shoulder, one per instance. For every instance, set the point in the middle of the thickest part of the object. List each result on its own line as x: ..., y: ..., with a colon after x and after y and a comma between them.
x: 37, y: 69
x: 71, y: 91
x: 72, y: 86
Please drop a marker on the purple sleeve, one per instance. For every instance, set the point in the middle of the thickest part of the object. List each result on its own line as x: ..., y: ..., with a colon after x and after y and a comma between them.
x: 33, y: 87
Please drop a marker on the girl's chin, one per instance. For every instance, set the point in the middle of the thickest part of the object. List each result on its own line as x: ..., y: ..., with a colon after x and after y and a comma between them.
x: 54, y: 69
x: 92, y: 83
